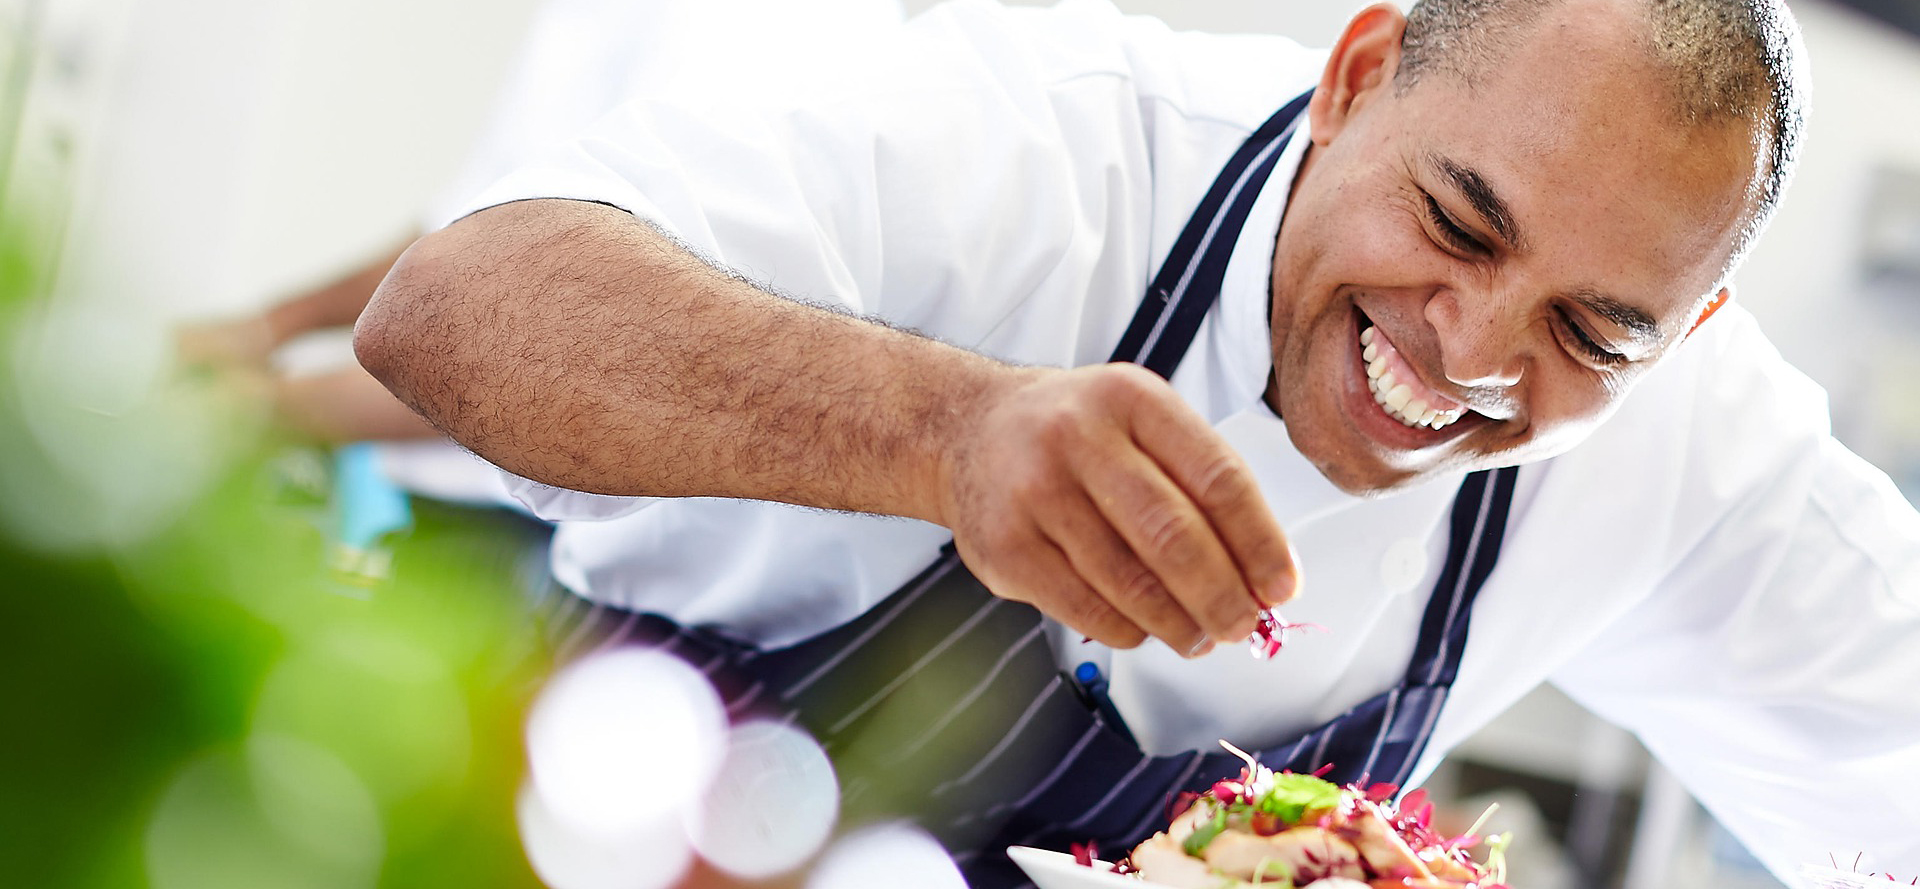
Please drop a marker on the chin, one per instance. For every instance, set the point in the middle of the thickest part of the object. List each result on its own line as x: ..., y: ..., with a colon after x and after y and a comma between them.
x: 1371, y: 477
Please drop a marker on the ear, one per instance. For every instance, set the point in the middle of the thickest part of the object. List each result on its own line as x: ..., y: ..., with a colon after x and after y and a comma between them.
x: 1361, y: 64
x: 1719, y: 299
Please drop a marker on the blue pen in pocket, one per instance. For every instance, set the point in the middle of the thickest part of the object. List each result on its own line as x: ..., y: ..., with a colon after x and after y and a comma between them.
x: 1095, y: 686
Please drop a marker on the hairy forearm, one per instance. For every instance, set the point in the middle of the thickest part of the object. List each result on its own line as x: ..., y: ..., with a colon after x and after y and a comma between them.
x: 571, y: 344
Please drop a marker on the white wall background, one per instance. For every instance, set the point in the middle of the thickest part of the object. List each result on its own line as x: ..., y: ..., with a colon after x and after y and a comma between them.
x: 237, y: 149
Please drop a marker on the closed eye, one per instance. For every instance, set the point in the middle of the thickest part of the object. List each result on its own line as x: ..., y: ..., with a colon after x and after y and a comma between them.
x: 1586, y: 343
x: 1459, y: 238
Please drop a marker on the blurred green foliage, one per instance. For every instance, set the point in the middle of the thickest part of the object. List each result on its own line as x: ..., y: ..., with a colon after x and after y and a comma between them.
x: 204, y: 703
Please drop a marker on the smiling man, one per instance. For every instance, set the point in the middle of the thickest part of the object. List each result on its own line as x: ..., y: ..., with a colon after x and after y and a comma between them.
x: 1519, y: 272
x: 1345, y: 294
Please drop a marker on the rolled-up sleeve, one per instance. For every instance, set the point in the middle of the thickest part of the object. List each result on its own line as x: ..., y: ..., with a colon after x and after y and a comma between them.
x: 934, y: 183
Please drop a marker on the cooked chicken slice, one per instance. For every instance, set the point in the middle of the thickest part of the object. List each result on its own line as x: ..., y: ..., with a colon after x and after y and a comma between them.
x: 1302, y: 853
x: 1187, y: 822
x: 1161, y: 860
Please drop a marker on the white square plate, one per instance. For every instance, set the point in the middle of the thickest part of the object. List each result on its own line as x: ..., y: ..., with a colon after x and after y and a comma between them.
x: 1052, y: 870
x: 1821, y: 877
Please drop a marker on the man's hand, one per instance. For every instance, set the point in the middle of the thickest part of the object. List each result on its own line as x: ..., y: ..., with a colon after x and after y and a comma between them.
x: 1099, y: 497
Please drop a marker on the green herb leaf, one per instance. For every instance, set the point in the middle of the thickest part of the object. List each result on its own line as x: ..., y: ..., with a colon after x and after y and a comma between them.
x: 1197, y: 841
x: 1291, y: 796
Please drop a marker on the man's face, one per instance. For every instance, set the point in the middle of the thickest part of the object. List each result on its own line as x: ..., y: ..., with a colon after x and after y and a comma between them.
x: 1515, y: 254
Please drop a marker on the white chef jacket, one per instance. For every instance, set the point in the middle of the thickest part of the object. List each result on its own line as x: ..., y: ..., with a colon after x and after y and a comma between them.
x: 1711, y: 569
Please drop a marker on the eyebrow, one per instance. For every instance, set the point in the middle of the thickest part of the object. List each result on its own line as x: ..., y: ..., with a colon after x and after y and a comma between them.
x: 1481, y: 195
x: 1639, y: 324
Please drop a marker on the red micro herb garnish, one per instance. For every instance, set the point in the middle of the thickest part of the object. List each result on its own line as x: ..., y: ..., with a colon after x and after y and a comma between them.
x: 1182, y: 801
x: 1228, y: 791
x: 1085, y: 853
x: 1271, y: 634
x: 1416, y: 808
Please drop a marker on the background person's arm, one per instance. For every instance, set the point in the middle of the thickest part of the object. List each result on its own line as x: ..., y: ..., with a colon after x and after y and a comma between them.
x: 572, y: 344
x: 250, y: 341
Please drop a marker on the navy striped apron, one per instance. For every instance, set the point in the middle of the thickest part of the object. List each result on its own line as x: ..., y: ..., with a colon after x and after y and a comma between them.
x: 945, y: 704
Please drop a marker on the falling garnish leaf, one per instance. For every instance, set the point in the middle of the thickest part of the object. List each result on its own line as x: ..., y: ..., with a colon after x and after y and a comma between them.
x: 1270, y: 635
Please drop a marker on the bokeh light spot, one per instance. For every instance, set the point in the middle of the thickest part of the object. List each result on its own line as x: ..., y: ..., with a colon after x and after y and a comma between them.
x: 645, y: 856
x: 772, y: 805
x: 383, y: 703
x: 282, y: 813
x: 624, y: 739
x: 886, y: 856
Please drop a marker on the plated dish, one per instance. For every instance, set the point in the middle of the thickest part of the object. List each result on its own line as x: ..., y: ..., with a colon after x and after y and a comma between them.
x: 1268, y: 830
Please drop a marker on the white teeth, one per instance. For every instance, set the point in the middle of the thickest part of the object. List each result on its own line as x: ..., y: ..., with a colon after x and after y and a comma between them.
x: 1395, y: 397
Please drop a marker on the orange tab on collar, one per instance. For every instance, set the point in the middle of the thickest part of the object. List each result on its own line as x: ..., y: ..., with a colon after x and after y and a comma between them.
x: 1712, y: 307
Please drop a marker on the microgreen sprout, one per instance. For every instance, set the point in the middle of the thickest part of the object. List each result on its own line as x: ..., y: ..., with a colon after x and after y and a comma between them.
x: 1281, y: 880
x: 1472, y: 837
x: 1253, y: 765
x: 1497, y: 856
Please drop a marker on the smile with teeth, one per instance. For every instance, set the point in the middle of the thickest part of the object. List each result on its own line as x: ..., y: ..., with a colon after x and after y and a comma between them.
x: 1398, y: 390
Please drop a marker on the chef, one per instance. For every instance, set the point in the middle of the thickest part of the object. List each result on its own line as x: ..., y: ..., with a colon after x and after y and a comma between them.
x: 1429, y: 331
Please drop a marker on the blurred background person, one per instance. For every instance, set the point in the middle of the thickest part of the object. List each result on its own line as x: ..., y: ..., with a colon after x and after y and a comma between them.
x: 580, y: 59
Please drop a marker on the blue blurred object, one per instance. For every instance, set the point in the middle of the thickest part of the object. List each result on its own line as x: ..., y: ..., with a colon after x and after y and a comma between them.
x: 367, y: 505
x: 1095, y: 686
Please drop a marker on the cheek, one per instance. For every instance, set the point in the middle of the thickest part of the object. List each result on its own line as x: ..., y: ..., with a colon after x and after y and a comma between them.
x: 1566, y: 406
x: 1359, y: 237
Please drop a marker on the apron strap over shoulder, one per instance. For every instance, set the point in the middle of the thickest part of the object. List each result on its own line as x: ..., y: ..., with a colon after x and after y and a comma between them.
x: 944, y: 703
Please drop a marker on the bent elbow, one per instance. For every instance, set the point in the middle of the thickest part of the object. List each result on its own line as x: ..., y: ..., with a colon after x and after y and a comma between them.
x: 390, y: 329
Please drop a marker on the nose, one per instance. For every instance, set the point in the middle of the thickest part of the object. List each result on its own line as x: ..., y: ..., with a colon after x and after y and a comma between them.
x: 1482, y: 341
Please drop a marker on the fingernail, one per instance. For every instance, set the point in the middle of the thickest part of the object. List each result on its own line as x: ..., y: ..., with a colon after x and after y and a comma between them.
x: 1283, y: 589
x: 1200, y: 648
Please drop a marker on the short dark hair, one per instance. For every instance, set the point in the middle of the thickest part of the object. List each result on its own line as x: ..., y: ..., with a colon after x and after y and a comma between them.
x: 1730, y: 61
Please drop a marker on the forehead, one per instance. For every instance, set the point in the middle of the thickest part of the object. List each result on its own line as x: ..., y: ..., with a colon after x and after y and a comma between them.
x: 1578, y: 132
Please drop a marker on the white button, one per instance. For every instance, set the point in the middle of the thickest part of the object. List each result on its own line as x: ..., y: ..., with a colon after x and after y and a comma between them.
x: 1404, y: 564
